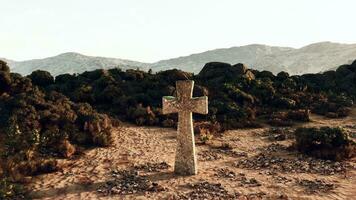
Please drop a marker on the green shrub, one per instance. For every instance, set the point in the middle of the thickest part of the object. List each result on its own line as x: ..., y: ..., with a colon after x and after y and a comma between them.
x: 325, y: 143
x: 37, y: 125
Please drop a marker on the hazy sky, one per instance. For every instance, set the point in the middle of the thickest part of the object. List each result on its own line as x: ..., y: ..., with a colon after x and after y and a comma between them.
x: 150, y: 30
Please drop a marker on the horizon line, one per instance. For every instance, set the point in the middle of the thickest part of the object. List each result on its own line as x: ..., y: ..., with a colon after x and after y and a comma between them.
x: 143, y: 62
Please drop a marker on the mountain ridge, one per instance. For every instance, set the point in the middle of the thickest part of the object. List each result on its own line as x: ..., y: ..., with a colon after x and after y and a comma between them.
x: 271, y: 58
x: 312, y: 58
x: 72, y: 62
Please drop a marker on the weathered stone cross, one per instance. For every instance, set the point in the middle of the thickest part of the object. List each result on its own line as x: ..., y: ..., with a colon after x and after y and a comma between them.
x: 185, y: 105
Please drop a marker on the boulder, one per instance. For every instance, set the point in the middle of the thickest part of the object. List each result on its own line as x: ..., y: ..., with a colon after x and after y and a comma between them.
x: 344, y: 70
x: 214, y: 69
x: 282, y: 75
x: 249, y: 75
x: 200, y: 91
x: 174, y: 75
x: 353, y: 66
x: 265, y: 74
x: 330, y: 75
x: 221, y: 72
x: 41, y: 78
x: 96, y: 74
x: 240, y: 68
x: 64, y: 78
x: 354, y: 63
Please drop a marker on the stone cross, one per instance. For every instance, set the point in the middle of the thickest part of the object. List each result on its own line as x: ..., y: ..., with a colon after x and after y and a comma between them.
x: 185, y: 105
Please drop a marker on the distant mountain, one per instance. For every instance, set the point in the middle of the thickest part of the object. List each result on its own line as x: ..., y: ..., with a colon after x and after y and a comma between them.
x: 313, y: 58
x: 72, y: 63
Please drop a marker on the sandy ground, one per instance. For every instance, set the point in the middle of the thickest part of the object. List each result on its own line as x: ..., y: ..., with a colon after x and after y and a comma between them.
x: 82, y: 176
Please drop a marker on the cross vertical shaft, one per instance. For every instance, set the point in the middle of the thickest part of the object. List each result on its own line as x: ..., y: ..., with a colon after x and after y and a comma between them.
x: 185, y: 160
x: 185, y: 105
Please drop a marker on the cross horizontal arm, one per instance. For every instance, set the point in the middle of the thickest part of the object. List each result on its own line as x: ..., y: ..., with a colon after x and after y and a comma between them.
x: 200, y: 105
x: 169, y: 105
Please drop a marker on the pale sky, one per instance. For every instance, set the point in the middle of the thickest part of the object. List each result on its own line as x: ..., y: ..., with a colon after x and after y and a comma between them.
x: 151, y: 30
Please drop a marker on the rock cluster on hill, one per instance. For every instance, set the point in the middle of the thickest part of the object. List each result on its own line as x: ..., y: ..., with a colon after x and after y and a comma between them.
x: 237, y: 95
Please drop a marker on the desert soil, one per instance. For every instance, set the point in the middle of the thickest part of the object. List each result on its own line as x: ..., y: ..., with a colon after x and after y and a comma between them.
x: 227, y: 173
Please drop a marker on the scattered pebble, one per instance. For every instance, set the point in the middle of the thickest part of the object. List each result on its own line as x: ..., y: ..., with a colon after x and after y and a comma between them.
x: 208, y: 155
x: 244, y: 181
x: 128, y: 182
x: 225, y: 173
x: 316, y: 186
x: 257, y: 195
x: 152, y: 167
x: 282, y: 179
x: 85, y: 180
x: 231, y: 153
x: 278, y: 134
x: 227, y: 149
x: 224, y: 146
x: 206, y: 190
x: 274, y: 147
x: 215, y: 153
x: 299, y: 164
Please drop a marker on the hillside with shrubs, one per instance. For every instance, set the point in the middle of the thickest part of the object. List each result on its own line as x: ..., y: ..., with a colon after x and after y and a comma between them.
x: 238, y: 97
x: 37, y: 126
x: 45, y: 117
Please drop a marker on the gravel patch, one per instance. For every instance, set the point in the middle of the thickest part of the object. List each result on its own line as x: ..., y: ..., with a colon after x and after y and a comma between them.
x: 128, y: 182
x: 299, y: 164
x: 316, y: 186
x: 152, y: 167
x: 206, y: 190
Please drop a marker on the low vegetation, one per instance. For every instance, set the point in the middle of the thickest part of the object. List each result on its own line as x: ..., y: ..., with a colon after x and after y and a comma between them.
x: 238, y: 97
x: 38, y: 125
x: 325, y: 143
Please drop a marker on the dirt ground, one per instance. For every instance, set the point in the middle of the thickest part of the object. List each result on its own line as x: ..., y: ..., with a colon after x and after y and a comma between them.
x: 241, y: 164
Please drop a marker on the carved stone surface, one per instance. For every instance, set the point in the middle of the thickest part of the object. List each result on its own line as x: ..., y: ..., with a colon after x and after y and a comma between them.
x: 184, y: 104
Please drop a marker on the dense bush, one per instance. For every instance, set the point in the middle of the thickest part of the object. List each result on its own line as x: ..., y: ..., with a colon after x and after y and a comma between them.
x: 41, y: 78
x: 36, y: 125
x: 237, y: 95
x: 325, y: 143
